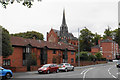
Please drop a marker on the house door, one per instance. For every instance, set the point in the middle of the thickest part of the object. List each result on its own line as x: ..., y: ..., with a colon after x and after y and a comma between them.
x: 65, y: 57
x: 43, y: 54
x: 28, y: 61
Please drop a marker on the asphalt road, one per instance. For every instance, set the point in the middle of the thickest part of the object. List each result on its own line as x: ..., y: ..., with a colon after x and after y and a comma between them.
x: 102, y: 71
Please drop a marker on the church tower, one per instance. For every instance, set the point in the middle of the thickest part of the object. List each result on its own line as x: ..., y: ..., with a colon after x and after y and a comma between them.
x: 63, y: 29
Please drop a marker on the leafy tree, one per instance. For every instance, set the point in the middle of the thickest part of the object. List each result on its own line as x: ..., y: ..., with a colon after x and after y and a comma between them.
x: 107, y: 33
x: 33, y: 59
x: 86, y: 38
x: 96, y: 38
x: 98, y: 55
x: 6, y: 46
x: 84, y: 56
x: 118, y: 37
x: 92, y: 57
x: 30, y: 35
x: 115, y: 35
x: 27, y: 3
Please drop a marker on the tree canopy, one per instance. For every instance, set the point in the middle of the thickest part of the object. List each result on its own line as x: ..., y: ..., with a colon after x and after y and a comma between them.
x: 107, y: 33
x: 96, y: 38
x: 27, y: 3
x: 98, y: 55
x: 6, y: 45
x: 30, y: 35
x: 86, y: 39
x: 89, y: 39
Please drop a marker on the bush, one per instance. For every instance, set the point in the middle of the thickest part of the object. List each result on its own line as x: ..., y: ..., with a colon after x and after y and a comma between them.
x: 98, y: 56
x: 103, y: 59
x: 92, y: 57
x: 84, y: 56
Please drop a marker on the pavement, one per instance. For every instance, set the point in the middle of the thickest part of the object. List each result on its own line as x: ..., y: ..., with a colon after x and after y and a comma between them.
x: 91, y: 72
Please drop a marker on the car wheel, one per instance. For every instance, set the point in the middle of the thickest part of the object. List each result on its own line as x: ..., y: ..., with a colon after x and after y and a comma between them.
x: 66, y: 70
x: 73, y: 69
x: 8, y: 76
x: 48, y: 72
x: 38, y: 72
x: 57, y: 71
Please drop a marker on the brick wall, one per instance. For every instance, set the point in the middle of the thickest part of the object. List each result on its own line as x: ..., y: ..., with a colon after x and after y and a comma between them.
x: 52, y: 36
x: 74, y: 42
x: 71, y: 56
x: 85, y: 63
x: 16, y: 57
x: 94, y: 50
x: 51, y: 56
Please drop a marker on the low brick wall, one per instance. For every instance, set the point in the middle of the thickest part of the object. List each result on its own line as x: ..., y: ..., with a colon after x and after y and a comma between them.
x: 13, y: 69
x: 21, y: 69
x: 34, y: 68
x: 16, y: 69
x: 85, y: 63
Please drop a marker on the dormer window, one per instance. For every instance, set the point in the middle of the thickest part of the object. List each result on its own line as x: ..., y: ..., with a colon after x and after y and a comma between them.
x: 27, y: 50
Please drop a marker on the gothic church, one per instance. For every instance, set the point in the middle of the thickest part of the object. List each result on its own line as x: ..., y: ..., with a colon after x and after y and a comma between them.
x: 62, y: 36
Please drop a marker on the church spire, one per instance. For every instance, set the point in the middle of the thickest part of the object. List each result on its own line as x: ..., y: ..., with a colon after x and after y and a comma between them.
x: 64, y: 21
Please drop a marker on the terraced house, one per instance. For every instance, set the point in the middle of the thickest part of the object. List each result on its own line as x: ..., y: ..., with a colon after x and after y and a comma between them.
x: 29, y: 54
x: 107, y: 47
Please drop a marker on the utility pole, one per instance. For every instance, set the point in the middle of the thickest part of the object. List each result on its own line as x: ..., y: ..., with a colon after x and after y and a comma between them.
x: 78, y: 49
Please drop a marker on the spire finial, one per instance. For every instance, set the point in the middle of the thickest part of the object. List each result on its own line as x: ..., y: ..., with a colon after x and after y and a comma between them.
x: 64, y: 21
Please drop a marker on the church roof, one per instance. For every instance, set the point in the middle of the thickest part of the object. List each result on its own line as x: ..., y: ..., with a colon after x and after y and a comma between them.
x: 70, y: 35
x: 57, y: 31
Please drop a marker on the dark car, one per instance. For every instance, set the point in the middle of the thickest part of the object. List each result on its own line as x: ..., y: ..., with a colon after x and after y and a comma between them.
x: 118, y: 64
x: 48, y: 68
x: 5, y: 73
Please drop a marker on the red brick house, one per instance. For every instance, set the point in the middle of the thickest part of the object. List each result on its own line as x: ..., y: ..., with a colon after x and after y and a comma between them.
x: 62, y: 35
x: 107, y: 47
x: 43, y: 51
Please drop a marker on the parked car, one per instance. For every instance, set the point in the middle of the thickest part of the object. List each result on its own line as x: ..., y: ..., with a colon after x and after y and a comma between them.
x: 118, y: 64
x: 47, y: 68
x: 66, y: 67
x: 115, y: 60
x: 5, y: 73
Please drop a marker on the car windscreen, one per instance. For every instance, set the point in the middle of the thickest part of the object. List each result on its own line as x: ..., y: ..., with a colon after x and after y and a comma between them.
x: 118, y: 61
x: 45, y: 66
x: 60, y: 64
x: 1, y: 68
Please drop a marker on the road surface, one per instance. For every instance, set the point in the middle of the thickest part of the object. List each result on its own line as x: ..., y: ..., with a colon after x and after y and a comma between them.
x: 102, y: 71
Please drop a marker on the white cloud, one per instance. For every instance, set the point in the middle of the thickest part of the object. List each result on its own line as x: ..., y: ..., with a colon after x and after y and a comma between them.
x: 94, y: 14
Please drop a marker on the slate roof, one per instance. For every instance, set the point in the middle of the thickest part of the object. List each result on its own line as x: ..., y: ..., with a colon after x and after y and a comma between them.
x: 57, y: 31
x: 19, y: 41
x: 70, y: 35
x: 107, y: 40
x: 96, y: 46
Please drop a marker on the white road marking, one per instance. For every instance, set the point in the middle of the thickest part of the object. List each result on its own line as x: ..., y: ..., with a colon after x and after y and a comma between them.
x: 118, y: 73
x: 86, y: 72
x: 110, y: 73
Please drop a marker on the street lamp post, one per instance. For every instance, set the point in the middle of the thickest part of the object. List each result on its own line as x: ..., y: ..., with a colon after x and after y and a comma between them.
x: 78, y: 49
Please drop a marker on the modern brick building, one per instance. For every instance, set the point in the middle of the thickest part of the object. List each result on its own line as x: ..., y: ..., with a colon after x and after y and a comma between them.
x: 62, y: 36
x: 43, y: 51
x: 107, y: 47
